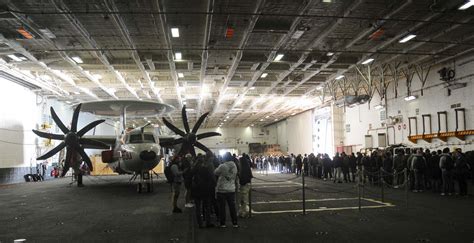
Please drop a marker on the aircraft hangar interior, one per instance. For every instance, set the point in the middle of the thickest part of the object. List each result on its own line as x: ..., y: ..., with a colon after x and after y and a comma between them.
x: 301, y: 120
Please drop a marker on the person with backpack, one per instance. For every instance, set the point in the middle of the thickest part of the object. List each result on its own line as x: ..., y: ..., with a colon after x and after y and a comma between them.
x: 446, y: 163
x: 418, y: 168
x: 203, y: 190
x: 461, y: 168
x: 227, y: 175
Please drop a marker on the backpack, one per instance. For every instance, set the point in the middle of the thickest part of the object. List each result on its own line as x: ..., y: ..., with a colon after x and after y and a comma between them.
x: 169, y: 176
x: 448, y: 163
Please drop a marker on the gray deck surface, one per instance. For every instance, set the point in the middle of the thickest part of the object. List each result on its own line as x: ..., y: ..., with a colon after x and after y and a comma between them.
x: 108, y: 209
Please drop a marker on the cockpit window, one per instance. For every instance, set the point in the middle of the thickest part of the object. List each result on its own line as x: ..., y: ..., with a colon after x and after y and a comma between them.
x: 135, y: 138
x: 149, y: 138
x: 141, y: 138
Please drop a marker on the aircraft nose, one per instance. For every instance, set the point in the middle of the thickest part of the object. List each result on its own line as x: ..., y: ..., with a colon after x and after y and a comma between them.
x: 147, y: 155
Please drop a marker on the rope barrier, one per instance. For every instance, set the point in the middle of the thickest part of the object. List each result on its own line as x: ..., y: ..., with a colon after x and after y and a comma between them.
x: 274, y: 194
x: 286, y: 180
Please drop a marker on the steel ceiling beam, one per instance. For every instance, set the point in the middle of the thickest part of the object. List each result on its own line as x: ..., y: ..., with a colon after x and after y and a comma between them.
x: 205, y: 54
x: 123, y: 29
x: 238, y: 56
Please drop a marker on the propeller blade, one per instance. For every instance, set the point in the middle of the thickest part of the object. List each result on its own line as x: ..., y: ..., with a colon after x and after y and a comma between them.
x: 67, y: 162
x: 75, y: 118
x: 58, y: 121
x: 49, y: 135
x: 207, y: 134
x: 89, y: 126
x: 202, y: 147
x: 173, y: 128
x: 199, y: 122
x: 52, y: 151
x: 171, y: 143
x: 94, y: 143
x: 84, y: 156
x: 185, y: 119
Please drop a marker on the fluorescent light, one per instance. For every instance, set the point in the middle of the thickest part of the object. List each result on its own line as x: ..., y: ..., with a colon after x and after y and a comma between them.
x: 378, y: 107
x: 267, y: 116
x: 264, y: 75
x: 180, y: 75
x: 15, y: 58
x: 339, y: 77
x: 368, y: 61
x: 75, y: 92
x: 327, y: 1
x: 77, y: 59
x: 329, y: 54
x: 319, y: 87
x: 467, y: 5
x: 407, y: 38
x: 189, y: 109
x: 297, y: 34
x: 237, y: 109
x: 175, y: 32
x: 227, y: 117
x: 97, y: 76
x: 184, y: 102
x: 279, y: 57
x: 252, y: 88
x: 276, y: 119
x: 225, y: 120
x: 411, y: 97
x: 178, y: 56
x: 251, y: 125
x: 293, y: 114
x: 261, y: 119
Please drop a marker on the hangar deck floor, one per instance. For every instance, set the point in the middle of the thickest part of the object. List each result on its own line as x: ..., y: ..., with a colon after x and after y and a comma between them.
x: 108, y: 209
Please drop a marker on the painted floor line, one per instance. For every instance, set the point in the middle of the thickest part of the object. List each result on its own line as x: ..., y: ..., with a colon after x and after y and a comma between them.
x: 308, y: 200
x: 275, y: 186
x: 320, y: 209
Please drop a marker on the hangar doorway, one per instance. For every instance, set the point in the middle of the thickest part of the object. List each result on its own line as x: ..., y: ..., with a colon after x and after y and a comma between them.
x: 323, y: 139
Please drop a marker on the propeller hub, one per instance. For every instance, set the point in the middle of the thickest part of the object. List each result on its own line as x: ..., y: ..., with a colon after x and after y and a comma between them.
x: 191, y: 138
x: 71, y: 138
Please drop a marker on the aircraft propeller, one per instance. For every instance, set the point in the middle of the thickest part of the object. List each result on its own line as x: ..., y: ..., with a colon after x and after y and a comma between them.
x: 72, y: 140
x: 189, y: 138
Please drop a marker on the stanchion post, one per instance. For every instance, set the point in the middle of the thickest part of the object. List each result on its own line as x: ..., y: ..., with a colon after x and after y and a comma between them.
x: 363, y: 182
x: 358, y: 188
x: 406, y: 185
x: 381, y: 184
x: 304, y: 195
x: 250, y: 201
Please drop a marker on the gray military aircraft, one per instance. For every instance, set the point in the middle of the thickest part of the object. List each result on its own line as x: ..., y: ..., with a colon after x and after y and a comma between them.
x: 134, y: 151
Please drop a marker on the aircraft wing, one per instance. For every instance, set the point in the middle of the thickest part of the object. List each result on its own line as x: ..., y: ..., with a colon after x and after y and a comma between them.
x: 134, y: 108
x: 109, y: 140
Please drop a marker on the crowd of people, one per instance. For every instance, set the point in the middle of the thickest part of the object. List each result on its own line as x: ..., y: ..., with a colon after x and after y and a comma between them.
x: 211, y: 184
x: 422, y: 170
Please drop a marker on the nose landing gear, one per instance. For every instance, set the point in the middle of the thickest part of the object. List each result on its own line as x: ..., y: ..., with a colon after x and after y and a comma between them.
x: 146, y: 182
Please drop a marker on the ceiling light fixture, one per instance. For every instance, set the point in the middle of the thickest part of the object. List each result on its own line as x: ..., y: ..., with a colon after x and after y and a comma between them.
x: 411, y: 97
x: 279, y: 57
x: 15, y: 58
x: 293, y: 114
x: 264, y: 75
x: 339, y: 77
x: 237, y: 109
x: 251, y: 125
x: 227, y: 117
x: 319, y: 87
x: 276, y: 119
x: 407, y: 38
x: 378, y: 107
x: 178, y: 56
x: 175, y: 32
x: 76, y: 92
x: 261, y: 119
x: 180, y: 75
x: 368, y: 61
x: 267, y: 116
x: 467, y: 5
x: 77, y: 59
x: 252, y: 88
x: 330, y: 54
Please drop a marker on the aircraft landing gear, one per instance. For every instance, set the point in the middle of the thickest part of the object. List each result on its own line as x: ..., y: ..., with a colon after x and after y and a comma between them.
x: 146, y: 182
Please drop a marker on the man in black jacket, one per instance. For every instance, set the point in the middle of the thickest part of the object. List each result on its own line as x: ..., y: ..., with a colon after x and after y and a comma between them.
x: 203, y: 189
x: 245, y: 180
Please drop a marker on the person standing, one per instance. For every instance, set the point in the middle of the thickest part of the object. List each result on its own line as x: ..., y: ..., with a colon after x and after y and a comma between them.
x: 461, y: 168
x: 203, y: 189
x: 227, y: 174
x: 299, y: 164
x: 446, y: 164
x: 338, y: 168
x: 177, y: 175
x: 245, y: 180
x: 418, y: 167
